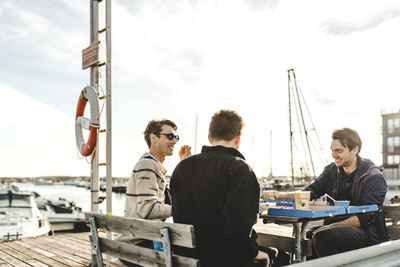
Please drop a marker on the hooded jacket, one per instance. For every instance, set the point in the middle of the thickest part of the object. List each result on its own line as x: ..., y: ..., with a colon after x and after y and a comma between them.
x: 368, y: 187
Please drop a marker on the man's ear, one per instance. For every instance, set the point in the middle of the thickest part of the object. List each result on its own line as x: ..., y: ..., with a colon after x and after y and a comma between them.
x: 237, y: 140
x: 355, y: 150
x: 152, y: 138
x: 209, y: 139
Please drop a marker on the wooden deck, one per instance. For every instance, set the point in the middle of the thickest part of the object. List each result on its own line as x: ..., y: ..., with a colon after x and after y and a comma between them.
x: 69, y: 249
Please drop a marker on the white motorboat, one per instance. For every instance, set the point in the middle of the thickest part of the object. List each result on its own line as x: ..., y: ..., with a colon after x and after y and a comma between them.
x: 63, y: 215
x: 20, y: 216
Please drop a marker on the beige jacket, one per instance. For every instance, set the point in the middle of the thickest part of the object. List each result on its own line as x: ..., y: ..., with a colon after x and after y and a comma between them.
x: 145, y: 190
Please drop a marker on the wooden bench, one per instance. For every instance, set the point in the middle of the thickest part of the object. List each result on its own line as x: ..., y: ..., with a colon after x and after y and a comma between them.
x: 392, y: 215
x: 281, y: 237
x: 167, y: 233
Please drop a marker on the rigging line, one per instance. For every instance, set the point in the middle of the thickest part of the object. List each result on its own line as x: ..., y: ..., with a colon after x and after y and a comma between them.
x: 302, y: 164
x: 78, y: 153
x: 104, y: 101
x: 302, y: 117
x: 313, y: 126
x: 298, y: 122
x: 92, y: 158
x: 318, y: 154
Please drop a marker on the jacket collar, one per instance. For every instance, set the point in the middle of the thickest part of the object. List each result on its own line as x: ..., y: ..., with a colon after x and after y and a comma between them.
x: 222, y: 149
x: 364, y: 165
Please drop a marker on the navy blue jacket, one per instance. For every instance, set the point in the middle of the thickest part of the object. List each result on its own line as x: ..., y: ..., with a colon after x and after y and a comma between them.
x: 368, y: 187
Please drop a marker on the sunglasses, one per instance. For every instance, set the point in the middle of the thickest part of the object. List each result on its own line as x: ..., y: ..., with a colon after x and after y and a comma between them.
x: 171, y: 136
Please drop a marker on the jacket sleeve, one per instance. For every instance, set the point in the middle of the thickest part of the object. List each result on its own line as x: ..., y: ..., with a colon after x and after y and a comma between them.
x: 240, y: 211
x: 373, y: 191
x: 320, y: 186
x: 147, y: 184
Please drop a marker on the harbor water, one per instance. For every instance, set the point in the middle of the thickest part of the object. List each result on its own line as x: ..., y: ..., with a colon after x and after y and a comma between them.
x: 81, y: 196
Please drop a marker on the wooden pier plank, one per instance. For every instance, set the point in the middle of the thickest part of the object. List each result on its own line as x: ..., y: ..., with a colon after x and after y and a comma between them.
x: 82, y: 258
x: 65, y: 241
x: 60, y: 250
x: 74, y: 244
x: 37, y: 263
x: 61, y: 257
x: 5, y: 247
x: 60, y: 244
x: 37, y: 256
x: 11, y: 260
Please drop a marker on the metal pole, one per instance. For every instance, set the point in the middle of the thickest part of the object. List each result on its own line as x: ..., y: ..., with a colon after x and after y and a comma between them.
x: 270, y: 153
x: 195, y: 133
x: 94, y: 82
x: 108, y: 107
x: 108, y: 118
x: 290, y: 130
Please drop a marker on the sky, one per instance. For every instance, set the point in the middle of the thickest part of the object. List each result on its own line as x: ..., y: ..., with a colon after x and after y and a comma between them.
x: 184, y: 60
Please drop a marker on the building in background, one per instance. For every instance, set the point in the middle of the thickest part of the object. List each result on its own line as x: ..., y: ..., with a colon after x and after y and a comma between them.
x: 391, y: 144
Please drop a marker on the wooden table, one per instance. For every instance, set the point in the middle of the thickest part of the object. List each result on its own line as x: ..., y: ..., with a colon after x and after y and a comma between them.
x: 299, y: 228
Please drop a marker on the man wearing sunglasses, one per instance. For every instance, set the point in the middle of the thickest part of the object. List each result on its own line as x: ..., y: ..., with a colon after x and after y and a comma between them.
x: 218, y: 192
x: 145, y: 191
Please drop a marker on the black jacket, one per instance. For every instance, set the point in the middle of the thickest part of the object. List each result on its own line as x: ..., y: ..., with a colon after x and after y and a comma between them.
x: 368, y: 187
x: 218, y: 193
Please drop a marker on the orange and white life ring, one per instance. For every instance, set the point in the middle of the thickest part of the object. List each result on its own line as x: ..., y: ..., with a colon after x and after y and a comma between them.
x: 86, y: 147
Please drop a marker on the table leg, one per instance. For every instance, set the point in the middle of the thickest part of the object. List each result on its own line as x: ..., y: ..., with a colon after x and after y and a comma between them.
x: 303, y: 234
x: 299, y: 235
x: 297, y: 242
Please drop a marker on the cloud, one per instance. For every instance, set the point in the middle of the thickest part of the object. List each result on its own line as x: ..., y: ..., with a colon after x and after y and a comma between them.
x: 357, y: 23
x: 322, y: 98
x: 36, y: 139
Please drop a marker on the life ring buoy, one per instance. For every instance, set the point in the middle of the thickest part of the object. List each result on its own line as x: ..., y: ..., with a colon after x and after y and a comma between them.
x: 86, y: 147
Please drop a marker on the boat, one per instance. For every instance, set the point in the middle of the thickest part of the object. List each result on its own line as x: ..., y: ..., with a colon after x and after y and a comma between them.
x: 20, y: 216
x: 62, y: 214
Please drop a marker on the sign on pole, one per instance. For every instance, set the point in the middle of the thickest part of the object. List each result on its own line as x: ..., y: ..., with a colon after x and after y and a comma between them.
x: 90, y: 56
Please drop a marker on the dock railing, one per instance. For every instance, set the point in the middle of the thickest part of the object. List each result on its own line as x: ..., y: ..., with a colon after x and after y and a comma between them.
x: 384, y: 254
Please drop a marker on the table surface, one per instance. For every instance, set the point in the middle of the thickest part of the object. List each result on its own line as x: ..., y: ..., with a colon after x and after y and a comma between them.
x: 288, y: 219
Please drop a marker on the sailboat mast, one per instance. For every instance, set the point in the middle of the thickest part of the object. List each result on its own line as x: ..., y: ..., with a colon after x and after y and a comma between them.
x: 195, y: 133
x: 302, y: 119
x: 270, y: 153
x: 290, y: 130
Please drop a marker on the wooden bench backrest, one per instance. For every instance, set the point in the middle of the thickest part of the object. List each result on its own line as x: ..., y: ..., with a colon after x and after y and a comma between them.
x: 179, y: 234
x: 392, y: 212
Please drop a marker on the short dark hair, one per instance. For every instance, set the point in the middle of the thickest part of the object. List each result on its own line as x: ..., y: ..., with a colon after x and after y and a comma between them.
x: 348, y: 138
x: 154, y: 127
x: 225, y: 125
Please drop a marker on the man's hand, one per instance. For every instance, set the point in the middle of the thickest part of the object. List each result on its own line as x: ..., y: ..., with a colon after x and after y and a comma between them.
x: 324, y: 228
x: 185, y: 152
x: 352, y: 221
x: 262, y: 256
